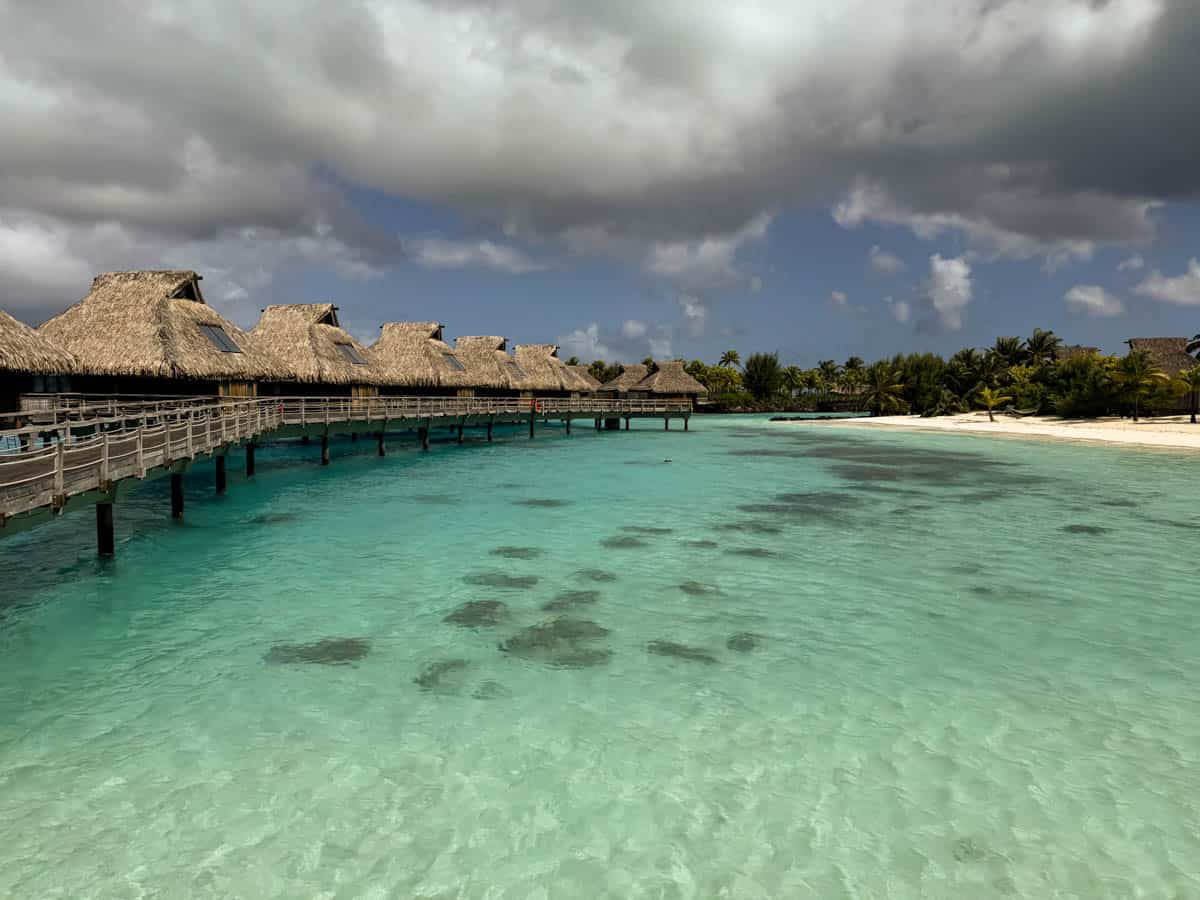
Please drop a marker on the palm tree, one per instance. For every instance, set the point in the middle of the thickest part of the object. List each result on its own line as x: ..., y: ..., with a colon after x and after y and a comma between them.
x: 573, y: 361
x: 730, y: 359
x: 1188, y: 382
x: 1008, y: 351
x: 853, y: 364
x: 762, y: 375
x: 829, y: 370
x: 793, y: 379
x: 991, y: 399
x: 1138, y: 374
x: 1042, y: 346
x: 882, y: 390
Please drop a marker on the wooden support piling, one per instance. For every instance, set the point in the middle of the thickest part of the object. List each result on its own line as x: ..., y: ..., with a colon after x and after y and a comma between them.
x: 249, y: 460
x: 530, y: 424
x: 423, y: 437
x: 379, y: 443
x: 489, y: 431
x: 105, y: 540
x: 176, y: 495
x: 220, y: 473
x: 460, y: 432
x: 304, y: 439
x: 685, y: 422
x: 325, y: 449
x: 567, y: 422
x: 666, y: 424
x: 354, y: 437
x: 627, y: 423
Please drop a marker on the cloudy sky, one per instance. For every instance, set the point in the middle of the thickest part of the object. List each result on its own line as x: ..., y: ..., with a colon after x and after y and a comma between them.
x: 625, y: 177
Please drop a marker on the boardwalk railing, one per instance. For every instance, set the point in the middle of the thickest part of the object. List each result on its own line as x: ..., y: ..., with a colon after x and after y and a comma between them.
x: 88, y: 446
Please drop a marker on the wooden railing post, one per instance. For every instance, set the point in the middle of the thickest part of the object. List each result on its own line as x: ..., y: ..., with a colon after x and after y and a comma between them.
x: 141, y: 453
x: 60, y: 463
x: 105, y: 475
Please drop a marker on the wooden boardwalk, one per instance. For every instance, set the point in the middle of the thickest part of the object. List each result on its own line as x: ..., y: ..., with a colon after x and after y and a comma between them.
x: 75, y: 453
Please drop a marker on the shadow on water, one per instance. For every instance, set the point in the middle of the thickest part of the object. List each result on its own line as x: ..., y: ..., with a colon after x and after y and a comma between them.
x: 623, y: 542
x: 563, y: 642
x: 743, y: 641
x: 517, y: 552
x: 478, y: 614
x: 325, y: 652
x: 597, y: 575
x: 542, y: 503
x: 1086, y: 529
x: 501, y: 580
x: 443, y: 676
x: 680, y: 651
x: 570, y: 599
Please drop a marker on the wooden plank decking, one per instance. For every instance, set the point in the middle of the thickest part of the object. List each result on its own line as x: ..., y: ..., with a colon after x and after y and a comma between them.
x: 74, y: 449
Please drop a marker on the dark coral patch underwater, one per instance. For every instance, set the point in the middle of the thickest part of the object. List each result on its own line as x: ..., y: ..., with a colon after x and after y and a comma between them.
x: 325, y: 652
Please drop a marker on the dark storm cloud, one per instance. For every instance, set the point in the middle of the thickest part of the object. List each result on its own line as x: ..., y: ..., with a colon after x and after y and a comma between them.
x: 639, y: 131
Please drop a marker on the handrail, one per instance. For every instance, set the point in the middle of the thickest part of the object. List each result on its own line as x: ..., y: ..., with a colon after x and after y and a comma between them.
x: 86, y: 452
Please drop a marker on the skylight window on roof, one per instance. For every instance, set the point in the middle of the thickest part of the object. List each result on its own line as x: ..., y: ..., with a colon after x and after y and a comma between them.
x: 351, y: 354
x: 220, y: 339
x: 452, y: 360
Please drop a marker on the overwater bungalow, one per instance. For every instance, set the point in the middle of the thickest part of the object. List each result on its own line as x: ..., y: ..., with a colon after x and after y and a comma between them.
x: 152, y: 333
x: 671, y: 380
x: 547, y: 374
x: 586, y: 377
x: 415, y: 359
x: 321, y: 355
x: 29, y: 363
x: 490, y: 370
x: 626, y: 383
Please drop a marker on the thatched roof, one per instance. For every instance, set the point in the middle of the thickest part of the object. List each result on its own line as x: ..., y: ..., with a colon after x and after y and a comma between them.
x: 308, y: 338
x: 546, y: 371
x: 413, y: 354
x: 627, y: 379
x: 488, y: 363
x: 156, y: 324
x: 592, y: 382
x: 1072, y: 350
x: 1170, y: 353
x: 22, y: 349
x: 670, y: 378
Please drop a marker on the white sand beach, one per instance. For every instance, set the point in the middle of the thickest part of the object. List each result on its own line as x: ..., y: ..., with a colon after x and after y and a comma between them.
x: 1172, y: 432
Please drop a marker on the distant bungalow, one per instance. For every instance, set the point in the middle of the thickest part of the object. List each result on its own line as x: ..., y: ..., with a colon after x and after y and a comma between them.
x: 491, y: 370
x: 415, y: 359
x: 547, y: 374
x: 321, y: 356
x: 592, y: 382
x: 1169, y: 353
x: 152, y: 333
x: 29, y: 362
x: 670, y: 379
x: 626, y: 381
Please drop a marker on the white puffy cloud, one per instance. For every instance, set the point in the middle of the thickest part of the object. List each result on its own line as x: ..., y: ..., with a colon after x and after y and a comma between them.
x: 1093, y: 300
x: 885, y: 263
x: 839, y: 300
x: 585, y: 343
x: 900, y: 310
x: 949, y: 290
x: 633, y: 329
x: 1132, y: 263
x: 1182, y: 290
x: 695, y: 314
x: 709, y: 263
x: 439, y: 253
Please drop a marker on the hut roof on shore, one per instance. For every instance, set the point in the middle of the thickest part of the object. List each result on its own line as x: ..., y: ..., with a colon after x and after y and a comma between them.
x: 413, y: 354
x: 308, y: 338
x: 671, y: 378
x: 1072, y: 350
x: 488, y: 363
x: 592, y: 382
x: 1170, y: 353
x: 156, y: 324
x: 546, y: 371
x: 23, y: 349
x: 629, y: 378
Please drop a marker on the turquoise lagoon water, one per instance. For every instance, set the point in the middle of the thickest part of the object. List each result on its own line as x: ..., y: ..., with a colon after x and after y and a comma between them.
x: 903, y: 666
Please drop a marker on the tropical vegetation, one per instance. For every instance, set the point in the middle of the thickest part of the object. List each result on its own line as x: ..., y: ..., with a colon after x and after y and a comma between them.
x: 1036, y: 374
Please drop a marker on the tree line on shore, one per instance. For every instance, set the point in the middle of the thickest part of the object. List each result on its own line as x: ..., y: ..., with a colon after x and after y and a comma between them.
x: 1032, y: 375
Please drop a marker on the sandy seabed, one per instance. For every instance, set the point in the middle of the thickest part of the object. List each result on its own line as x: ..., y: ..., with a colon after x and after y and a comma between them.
x: 1173, y: 432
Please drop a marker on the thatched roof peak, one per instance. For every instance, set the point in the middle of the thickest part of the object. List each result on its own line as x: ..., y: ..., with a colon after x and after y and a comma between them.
x: 318, y: 350
x: 156, y: 324
x: 588, y: 378
x: 481, y: 342
x: 1169, y: 353
x: 22, y: 349
x: 671, y: 378
x: 488, y: 363
x: 632, y: 374
x: 413, y: 354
